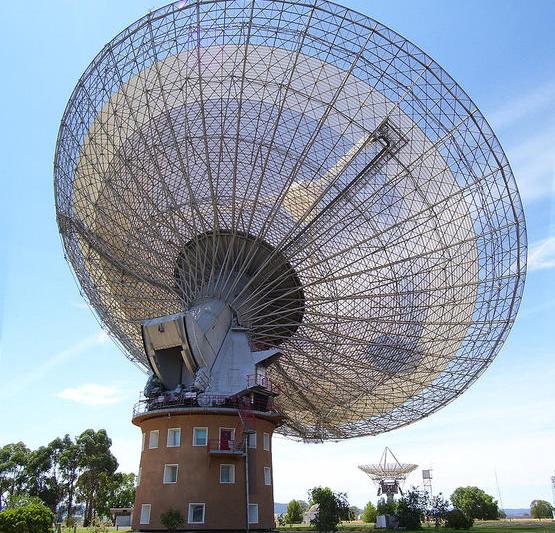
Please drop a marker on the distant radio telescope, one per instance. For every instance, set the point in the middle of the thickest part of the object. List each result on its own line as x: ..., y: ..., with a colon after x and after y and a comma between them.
x: 293, y: 219
x: 389, y: 474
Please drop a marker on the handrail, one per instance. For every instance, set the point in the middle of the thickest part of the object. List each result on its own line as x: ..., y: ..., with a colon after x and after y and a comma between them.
x: 219, y: 445
x: 173, y: 400
x: 263, y: 381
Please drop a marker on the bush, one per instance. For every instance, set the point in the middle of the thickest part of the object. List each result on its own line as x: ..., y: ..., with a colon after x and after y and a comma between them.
x: 456, y: 519
x: 21, y: 500
x: 437, y: 509
x: 171, y: 519
x: 409, y: 517
x: 332, y: 508
x: 386, y: 507
x: 411, y: 509
x: 32, y: 518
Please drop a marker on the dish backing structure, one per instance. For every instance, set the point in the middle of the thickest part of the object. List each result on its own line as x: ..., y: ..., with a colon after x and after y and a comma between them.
x: 290, y: 204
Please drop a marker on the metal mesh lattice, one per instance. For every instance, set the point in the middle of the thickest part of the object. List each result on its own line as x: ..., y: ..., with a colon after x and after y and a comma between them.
x: 333, y: 141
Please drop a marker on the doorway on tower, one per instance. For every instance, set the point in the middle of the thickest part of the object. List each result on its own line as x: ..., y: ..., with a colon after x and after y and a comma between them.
x: 227, y: 438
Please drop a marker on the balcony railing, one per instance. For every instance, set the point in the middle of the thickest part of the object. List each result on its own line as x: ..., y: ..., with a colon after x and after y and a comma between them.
x: 216, y: 446
x: 171, y: 400
x: 263, y: 381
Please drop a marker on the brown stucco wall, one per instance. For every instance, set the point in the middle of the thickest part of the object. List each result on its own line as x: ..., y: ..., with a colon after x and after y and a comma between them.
x: 198, y: 476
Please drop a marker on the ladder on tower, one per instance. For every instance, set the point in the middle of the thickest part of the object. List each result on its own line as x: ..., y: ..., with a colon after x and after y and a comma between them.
x: 247, y: 422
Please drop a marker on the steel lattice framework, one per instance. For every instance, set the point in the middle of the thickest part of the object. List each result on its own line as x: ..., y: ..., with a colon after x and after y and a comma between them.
x: 319, y: 173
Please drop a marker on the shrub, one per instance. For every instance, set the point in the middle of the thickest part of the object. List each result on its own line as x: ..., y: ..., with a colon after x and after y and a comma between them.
x: 411, y: 509
x: 32, y: 518
x: 456, y: 519
x: 438, y: 509
x: 21, y: 500
x: 408, y: 516
x: 171, y: 519
x: 386, y: 507
x: 332, y: 508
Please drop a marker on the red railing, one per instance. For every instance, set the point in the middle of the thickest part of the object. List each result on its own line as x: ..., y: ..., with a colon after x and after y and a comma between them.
x: 228, y: 446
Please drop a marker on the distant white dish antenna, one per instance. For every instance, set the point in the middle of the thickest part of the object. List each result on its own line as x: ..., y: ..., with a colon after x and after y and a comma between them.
x: 389, y: 474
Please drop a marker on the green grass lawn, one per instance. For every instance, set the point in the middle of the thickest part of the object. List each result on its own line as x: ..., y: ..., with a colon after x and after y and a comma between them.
x: 512, y: 526
x: 92, y: 530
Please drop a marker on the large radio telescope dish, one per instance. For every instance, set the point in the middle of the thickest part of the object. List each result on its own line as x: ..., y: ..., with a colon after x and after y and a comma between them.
x: 318, y: 173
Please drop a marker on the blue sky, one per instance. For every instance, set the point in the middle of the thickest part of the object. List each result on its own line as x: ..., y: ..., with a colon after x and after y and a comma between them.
x: 60, y: 373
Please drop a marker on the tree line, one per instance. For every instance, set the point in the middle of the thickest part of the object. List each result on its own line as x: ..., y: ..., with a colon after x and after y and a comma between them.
x: 409, y: 512
x: 65, y: 474
x: 464, y: 506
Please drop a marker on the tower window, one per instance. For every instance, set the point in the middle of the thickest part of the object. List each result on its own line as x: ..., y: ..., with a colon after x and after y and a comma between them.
x: 153, y: 439
x: 267, y: 475
x: 267, y: 442
x: 170, y: 473
x: 253, y: 513
x: 174, y: 437
x: 145, y: 514
x: 196, y: 513
x: 200, y: 436
x: 227, y: 473
x: 251, y: 440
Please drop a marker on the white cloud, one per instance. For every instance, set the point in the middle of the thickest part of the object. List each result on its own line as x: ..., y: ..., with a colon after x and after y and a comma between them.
x: 65, y: 355
x: 542, y: 254
x: 91, y: 394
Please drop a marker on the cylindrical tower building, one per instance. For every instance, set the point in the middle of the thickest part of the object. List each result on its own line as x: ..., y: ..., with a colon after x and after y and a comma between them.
x: 212, y: 464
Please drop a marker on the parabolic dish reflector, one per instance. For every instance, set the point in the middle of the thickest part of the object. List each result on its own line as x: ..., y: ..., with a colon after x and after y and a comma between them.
x: 389, y: 468
x: 319, y: 174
